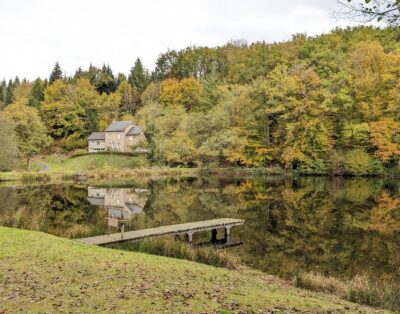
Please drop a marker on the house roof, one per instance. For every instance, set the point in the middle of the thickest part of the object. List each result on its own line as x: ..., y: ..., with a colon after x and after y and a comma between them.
x: 134, y: 208
x: 135, y: 130
x: 97, y: 136
x: 118, y: 126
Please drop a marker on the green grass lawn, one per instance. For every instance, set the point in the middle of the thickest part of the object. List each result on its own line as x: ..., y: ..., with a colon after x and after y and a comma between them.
x: 95, y: 162
x: 40, y: 273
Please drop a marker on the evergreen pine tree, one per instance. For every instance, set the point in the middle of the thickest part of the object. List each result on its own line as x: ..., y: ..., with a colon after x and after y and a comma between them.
x: 56, y: 74
x: 8, y: 97
x: 79, y: 73
x: 104, y: 81
x: 37, y: 93
x: 3, y: 87
x: 16, y: 81
x: 209, y: 96
x: 120, y: 78
x: 138, y: 77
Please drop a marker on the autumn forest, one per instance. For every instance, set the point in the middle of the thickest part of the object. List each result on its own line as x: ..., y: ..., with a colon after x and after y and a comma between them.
x: 328, y: 104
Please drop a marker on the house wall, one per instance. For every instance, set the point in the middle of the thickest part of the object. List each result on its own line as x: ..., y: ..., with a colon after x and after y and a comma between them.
x: 115, y: 197
x: 96, y: 146
x: 133, y: 140
x: 115, y: 141
x: 120, y: 197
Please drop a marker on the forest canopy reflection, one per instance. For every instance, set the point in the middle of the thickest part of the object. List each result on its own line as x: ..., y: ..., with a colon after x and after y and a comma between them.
x: 335, y: 226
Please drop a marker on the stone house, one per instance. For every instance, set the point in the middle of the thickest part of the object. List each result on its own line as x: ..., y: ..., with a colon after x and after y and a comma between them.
x: 120, y: 203
x: 120, y: 136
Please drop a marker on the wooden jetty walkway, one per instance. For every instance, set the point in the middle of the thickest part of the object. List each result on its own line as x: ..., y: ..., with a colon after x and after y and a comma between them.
x: 187, y: 228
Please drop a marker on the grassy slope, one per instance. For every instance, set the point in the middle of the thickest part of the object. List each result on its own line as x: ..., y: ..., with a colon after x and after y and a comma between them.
x: 43, y: 273
x: 96, y: 162
x: 96, y: 167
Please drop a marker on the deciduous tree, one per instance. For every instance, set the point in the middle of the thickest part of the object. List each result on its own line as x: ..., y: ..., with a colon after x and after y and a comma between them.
x: 31, y: 133
x: 8, y: 143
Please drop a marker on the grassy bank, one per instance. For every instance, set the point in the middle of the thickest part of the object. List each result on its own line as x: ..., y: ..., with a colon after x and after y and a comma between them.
x: 43, y: 273
x: 178, y: 249
x: 96, y: 167
x: 384, y: 294
x: 56, y: 176
x: 95, y: 162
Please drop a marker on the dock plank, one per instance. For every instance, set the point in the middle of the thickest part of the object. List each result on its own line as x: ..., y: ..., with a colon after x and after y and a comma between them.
x: 190, y: 227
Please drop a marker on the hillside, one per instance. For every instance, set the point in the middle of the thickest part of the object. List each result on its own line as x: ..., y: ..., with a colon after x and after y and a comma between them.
x: 326, y: 104
x: 95, y: 162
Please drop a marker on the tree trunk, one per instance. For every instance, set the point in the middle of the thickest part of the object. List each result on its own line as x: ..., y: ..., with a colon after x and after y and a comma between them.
x: 27, y: 163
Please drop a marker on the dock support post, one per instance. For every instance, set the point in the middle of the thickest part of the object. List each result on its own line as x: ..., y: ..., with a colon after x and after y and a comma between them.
x: 227, y: 237
x: 214, y: 236
x: 189, y: 237
x: 122, y: 231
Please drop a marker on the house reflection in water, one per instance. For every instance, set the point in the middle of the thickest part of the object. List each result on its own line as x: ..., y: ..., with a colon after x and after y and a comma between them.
x: 120, y: 203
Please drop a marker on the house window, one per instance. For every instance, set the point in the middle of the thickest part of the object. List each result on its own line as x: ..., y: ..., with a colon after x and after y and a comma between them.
x: 131, y: 138
x: 98, y: 142
x: 119, y: 136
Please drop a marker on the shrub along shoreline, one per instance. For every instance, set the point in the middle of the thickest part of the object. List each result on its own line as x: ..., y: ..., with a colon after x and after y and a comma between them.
x: 360, y: 289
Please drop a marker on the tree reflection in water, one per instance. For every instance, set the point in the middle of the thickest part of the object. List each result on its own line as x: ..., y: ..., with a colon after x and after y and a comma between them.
x: 335, y: 226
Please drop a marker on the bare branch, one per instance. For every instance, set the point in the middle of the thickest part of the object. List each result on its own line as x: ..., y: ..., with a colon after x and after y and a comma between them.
x: 387, y: 11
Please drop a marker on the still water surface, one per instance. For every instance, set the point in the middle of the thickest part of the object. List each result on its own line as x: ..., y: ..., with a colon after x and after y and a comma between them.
x: 341, y: 227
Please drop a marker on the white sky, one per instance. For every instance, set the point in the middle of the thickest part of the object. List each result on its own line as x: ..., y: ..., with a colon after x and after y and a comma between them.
x: 34, y: 34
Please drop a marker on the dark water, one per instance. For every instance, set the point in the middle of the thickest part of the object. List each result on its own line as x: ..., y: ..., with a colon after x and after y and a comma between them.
x: 341, y: 227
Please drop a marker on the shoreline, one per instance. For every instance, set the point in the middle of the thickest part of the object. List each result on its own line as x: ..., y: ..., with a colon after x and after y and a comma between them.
x: 150, y: 172
x: 61, y: 176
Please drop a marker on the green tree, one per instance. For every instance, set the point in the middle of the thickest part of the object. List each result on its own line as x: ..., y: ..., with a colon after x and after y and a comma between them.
x: 178, y: 149
x: 359, y: 162
x: 151, y: 94
x: 31, y: 133
x: 298, y: 96
x: 108, y: 110
x: 37, y: 93
x: 209, y: 96
x: 86, y: 103
x: 56, y: 74
x: 104, y: 80
x: 3, y: 90
x: 182, y: 93
x: 21, y: 93
x: 138, y: 77
x: 8, y: 143
x: 58, y: 112
x: 72, y: 112
x: 130, y: 98
x: 8, y: 93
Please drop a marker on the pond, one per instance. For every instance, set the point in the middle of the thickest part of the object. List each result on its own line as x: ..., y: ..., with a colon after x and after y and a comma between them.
x: 342, y: 227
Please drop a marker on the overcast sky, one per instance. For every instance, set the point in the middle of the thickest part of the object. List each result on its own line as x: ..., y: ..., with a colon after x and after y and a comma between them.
x: 36, y: 34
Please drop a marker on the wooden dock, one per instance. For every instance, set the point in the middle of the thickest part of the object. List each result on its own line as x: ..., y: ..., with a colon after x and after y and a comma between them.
x: 187, y: 228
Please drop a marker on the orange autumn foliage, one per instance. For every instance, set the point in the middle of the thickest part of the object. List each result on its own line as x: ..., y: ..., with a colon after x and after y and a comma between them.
x: 384, y: 137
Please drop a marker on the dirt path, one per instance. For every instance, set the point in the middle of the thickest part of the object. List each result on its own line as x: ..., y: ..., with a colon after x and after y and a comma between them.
x: 43, y: 166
